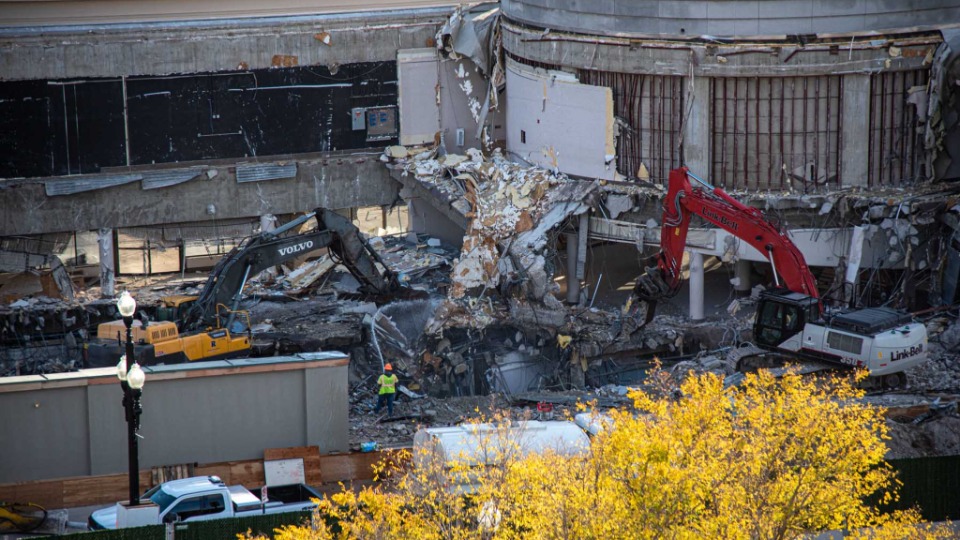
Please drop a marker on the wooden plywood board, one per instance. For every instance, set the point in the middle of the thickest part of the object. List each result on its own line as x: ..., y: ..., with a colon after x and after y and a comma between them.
x: 46, y: 493
x: 108, y: 489
x: 311, y: 460
x: 248, y: 474
x: 344, y: 467
x: 100, y: 489
x: 214, y: 469
x: 271, y: 454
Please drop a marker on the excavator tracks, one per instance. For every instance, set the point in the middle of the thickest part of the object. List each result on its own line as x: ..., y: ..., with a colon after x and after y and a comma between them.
x: 749, y: 357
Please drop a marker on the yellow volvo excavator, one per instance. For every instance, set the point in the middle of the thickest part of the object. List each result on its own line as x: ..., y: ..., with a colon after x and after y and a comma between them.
x: 209, y: 326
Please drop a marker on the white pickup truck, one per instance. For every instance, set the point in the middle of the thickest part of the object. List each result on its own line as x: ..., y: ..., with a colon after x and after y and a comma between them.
x: 207, y: 497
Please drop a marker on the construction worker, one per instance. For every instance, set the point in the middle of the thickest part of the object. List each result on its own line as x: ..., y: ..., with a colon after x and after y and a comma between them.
x: 388, y: 388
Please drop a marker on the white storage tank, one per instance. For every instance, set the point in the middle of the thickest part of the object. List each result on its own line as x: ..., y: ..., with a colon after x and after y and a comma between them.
x: 485, y: 444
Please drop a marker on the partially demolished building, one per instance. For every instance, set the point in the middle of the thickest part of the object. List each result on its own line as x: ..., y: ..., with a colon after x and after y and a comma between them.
x: 839, y: 119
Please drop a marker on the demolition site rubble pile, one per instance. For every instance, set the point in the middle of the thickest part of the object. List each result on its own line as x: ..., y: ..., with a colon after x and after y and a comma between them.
x: 502, y: 298
x: 489, y: 322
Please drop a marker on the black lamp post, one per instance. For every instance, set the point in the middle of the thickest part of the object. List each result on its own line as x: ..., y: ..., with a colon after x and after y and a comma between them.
x: 131, y: 380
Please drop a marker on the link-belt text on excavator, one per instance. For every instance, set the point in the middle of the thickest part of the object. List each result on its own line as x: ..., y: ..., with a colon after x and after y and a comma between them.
x: 906, y: 353
x: 296, y: 248
x: 722, y: 220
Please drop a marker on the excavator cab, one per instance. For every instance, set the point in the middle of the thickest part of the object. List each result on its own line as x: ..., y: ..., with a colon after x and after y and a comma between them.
x: 782, y: 314
x: 173, y: 307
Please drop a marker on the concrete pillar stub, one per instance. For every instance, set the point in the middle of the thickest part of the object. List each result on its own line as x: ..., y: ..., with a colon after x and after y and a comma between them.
x: 696, y: 286
x: 696, y: 129
x: 583, y: 230
x: 855, y: 131
x: 107, y: 264
x: 573, y: 284
x: 742, y: 274
x: 268, y: 222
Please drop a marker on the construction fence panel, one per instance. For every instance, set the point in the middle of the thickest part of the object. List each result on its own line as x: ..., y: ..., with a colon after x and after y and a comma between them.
x: 931, y: 483
x: 202, y: 530
x: 151, y: 532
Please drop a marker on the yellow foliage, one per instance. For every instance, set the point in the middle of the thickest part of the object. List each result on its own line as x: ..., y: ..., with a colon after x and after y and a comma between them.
x: 775, y: 458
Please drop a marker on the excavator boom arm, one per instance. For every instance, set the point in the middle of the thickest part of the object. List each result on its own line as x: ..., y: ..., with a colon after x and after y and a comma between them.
x: 684, y: 200
x: 265, y: 250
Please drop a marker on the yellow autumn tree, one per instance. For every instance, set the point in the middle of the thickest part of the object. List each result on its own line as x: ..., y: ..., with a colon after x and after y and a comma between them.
x: 774, y: 458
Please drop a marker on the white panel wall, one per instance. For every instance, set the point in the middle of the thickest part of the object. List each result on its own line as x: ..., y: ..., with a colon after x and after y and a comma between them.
x: 554, y: 121
x: 418, y: 80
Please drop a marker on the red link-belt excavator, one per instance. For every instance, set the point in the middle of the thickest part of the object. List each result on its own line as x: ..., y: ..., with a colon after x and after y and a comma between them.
x: 791, y: 321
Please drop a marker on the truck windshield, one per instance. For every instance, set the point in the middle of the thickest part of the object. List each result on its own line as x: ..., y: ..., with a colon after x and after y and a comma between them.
x: 160, y: 498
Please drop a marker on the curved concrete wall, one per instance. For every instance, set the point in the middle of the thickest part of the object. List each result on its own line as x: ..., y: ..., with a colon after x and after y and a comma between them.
x: 825, y: 113
x: 730, y: 18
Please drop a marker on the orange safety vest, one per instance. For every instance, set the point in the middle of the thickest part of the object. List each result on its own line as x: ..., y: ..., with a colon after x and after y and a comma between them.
x: 387, y: 384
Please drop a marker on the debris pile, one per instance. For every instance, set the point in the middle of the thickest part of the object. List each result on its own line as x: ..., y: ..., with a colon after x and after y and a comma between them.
x: 509, y: 210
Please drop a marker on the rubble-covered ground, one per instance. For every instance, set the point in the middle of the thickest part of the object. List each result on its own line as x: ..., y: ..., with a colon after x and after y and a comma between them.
x: 491, y: 333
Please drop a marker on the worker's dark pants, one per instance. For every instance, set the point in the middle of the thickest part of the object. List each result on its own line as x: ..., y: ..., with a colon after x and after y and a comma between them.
x: 385, y: 398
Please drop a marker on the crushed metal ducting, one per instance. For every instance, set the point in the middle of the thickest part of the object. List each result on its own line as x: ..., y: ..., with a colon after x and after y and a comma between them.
x: 166, y: 178
x: 268, y: 171
x: 79, y: 184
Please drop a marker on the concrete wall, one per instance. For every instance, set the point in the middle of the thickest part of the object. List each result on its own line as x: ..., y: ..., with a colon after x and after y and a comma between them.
x: 123, y: 50
x: 72, y: 424
x: 730, y: 18
x: 779, y: 115
x: 36, y: 51
x: 63, y: 12
x: 334, y: 181
x: 445, y: 95
x: 463, y: 92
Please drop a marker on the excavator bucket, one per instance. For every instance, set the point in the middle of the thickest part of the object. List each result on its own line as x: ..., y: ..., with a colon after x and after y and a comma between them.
x: 651, y: 286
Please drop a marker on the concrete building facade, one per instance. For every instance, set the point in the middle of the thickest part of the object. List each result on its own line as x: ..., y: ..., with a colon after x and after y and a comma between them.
x: 757, y: 95
x: 90, y: 107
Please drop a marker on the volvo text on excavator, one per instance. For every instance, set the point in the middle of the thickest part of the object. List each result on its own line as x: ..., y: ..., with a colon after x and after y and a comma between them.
x: 792, y: 322
x: 210, y: 326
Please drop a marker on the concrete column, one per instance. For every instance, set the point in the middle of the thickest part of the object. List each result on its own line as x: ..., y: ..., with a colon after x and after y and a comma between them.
x: 268, y: 222
x: 696, y: 131
x: 108, y: 265
x: 855, y: 132
x: 573, y: 284
x: 583, y: 232
x: 742, y: 274
x: 696, y: 286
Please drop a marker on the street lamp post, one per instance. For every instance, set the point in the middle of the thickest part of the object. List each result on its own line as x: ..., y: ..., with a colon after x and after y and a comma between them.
x: 131, y: 380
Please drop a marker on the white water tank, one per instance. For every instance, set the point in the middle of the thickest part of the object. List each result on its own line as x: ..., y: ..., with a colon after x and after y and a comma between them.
x: 486, y: 444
